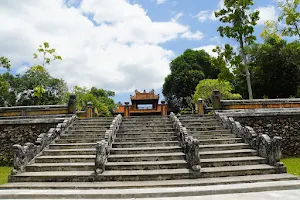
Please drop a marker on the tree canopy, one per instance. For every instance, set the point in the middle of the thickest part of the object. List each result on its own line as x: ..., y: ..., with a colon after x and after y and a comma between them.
x: 186, y: 72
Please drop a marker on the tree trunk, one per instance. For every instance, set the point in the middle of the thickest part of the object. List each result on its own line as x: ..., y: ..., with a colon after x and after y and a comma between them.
x: 248, y: 75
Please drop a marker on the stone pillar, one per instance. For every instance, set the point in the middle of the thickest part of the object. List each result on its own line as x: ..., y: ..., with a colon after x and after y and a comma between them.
x: 164, y: 108
x: 200, y: 107
x: 126, y: 110
x: 72, y: 104
x: 89, y: 110
x: 216, y: 100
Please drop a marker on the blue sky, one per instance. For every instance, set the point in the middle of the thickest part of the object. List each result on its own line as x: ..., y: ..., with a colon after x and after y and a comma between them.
x: 119, y: 45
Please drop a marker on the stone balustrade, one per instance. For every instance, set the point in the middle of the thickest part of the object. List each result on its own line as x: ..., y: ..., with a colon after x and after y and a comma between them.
x: 268, y: 148
x: 103, y: 147
x: 189, y: 144
x: 23, y: 155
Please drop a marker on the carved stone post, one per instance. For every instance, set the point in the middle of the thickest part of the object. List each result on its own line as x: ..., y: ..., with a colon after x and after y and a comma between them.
x: 164, y: 109
x: 126, y: 111
x: 200, y: 107
x: 72, y: 104
x: 89, y: 110
x: 216, y: 100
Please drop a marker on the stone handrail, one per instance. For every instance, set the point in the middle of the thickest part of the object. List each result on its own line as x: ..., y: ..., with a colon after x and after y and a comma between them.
x: 189, y: 144
x: 24, y: 155
x: 103, y: 147
x: 268, y: 148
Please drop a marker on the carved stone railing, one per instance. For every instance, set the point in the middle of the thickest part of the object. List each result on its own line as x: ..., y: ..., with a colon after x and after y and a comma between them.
x: 268, y: 148
x: 24, y: 155
x: 189, y: 144
x: 103, y: 147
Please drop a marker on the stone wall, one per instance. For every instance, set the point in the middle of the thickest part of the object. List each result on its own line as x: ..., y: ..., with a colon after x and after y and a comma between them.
x: 20, y: 132
x: 283, y: 122
x: 287, y: 127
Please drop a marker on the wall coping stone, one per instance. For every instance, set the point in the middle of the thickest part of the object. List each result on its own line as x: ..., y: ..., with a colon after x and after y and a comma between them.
x: 32, y: 121
x: 261, y: 112
x: 42, y: 107
x: 260, y: 101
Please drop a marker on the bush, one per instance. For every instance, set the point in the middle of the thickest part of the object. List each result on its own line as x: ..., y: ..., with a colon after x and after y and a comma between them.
x: 205, y: 87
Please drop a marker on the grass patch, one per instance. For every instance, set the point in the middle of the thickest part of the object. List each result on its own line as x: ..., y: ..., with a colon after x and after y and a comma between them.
x: 292, y: 165
x: 4, y: 172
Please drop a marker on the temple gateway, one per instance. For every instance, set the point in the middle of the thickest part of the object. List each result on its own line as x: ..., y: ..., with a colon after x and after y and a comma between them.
x: 143, y: 103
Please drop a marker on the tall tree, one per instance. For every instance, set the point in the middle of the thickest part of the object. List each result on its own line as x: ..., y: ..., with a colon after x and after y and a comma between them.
x: 291, y: 16
x: 240, y: 22
x: 186, y: 72
x: 5, y: 63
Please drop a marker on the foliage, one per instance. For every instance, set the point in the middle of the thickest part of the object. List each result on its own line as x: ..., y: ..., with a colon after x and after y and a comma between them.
x: 4, y: 172
x: 5, y: 63
x: 240, y: 22
x: 205, y: 87
x: 271, y: 31
x: 99, y: 97
x: 292, y: 165
x: 48, y: 54
x: 186, y: 72
x: 5, y: 161
x: 275, y: 68
x: 291, y: 16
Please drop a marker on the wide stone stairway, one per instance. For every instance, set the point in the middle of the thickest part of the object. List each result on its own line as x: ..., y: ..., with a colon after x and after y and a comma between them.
x: 146, y: 160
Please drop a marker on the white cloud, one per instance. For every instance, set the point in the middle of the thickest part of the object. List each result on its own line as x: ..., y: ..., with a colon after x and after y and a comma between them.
x: 121, y: 54
x: 160, y: 1
x: 177, y: 17
x: 266, y: 14
x: 208, y: 49
x: 193, y: 36
x: 205, y: 15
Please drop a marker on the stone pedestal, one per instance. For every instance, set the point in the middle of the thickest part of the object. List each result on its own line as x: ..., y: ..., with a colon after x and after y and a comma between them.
x: 200, y: 107
x: 164, y: 108
x: 126, y: 111
x: 72, y: 104
x: 216, y: 100
x: 89, y: 110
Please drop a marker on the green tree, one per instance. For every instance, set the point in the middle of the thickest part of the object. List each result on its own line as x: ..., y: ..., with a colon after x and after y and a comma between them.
x: 291, y: 16
x: 186, y: 72
x: 240, y: 22
x: 5, y: 63
x: 275, y: 68
x: 47, y: 56
x: 205, y: 87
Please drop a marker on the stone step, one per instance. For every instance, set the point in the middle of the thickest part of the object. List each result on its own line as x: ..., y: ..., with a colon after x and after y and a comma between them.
x: 156, y: 129
x: 56, y: 152
x: 86, y: 131
x: 220, y: 141
x: 154, y: 125
x: 244, y: 170
x: 82, y: 139
x: 95, y: 119
x: 232, y: 161
x: 90, y: 166
x: 199, y: 123
x: 214, y: 136
x: 86, y: 126
x: 145, y: 134
x: 146, y: 139
x: 228, y: 153
x: 144, y: 144
x: 219, y: 147
x: 146, y: 150
x: 203, y: 128
x: 149, y: 184
x: 76, y: 136
x: 145, y: 120
x: 73, y: 146
x: 66, y: 159
x: 199, y: 192
x: 87, y: 176
x: 146, y: 157
x: 147, y: 165
x: 130, y: 123
x: 211, y: 132
x: 103, y: 129
x: 198, y: 120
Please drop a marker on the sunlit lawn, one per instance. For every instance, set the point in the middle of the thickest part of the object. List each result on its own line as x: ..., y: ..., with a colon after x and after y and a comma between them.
x: 292, y: 165
x: 4, y: 172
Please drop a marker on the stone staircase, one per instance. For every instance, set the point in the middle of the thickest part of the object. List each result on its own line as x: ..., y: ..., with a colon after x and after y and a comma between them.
x: 147, y: 161
x: 221, y: 153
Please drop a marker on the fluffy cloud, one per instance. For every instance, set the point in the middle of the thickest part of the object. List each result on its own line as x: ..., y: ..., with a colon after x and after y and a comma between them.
x: 208, y: 49
x: 160, y: 1
x: 266, y: 14
x: 205, y: 15
x: 119, y: 49
x: 192, y: 36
